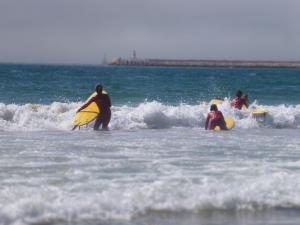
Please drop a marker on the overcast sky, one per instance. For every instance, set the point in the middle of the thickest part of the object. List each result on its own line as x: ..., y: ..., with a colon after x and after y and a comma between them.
x: 83, y: 31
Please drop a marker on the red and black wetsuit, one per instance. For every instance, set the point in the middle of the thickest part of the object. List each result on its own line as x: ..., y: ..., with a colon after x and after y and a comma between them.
x: 238, y: 103
x: 215, y: 118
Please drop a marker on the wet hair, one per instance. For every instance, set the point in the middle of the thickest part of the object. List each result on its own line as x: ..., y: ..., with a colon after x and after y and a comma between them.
x: 239, y: 93
x: 99, y: 88
x: 213, y: 107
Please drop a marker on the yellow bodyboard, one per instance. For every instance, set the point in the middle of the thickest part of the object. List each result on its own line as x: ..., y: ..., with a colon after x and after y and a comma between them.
x: 244, y: 108
x: 229, y: 124
x: 259, y: 112
x: 88, y: 114
x: 216, y: 101
x: 255, y: 112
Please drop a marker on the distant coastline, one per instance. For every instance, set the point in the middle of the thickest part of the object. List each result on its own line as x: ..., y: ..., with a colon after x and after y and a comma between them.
x: 204, y: 63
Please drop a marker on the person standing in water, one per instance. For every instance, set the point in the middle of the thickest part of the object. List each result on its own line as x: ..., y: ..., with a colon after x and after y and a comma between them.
x: 215, y: 118
x: 239, y: 100
x: 103, y: 102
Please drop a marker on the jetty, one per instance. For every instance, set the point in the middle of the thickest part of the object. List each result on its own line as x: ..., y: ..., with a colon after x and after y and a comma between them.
x: 203, y: 63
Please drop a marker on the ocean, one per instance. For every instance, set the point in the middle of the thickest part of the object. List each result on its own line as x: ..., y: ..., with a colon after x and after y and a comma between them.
x: 156, y: 164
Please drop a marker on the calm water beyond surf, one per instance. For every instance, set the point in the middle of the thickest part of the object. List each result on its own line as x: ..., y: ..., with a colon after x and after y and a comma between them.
x: 156, y: 164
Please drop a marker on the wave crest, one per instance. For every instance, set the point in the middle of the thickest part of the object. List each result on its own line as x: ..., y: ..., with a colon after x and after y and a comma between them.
x: 154, y: 115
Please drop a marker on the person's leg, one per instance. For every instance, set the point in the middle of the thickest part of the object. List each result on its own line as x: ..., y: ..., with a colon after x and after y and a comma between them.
x: 212, y: 124
x: 223, y: 125
x: 106, y: 120
x: 98, y: 122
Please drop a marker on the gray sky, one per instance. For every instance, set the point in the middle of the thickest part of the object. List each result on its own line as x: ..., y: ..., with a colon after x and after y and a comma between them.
x: 82, y: 31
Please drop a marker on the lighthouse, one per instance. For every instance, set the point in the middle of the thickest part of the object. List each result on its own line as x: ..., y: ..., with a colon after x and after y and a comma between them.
x: 134, y: 55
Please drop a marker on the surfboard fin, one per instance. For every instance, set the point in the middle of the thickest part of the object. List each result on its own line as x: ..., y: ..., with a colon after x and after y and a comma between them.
x: 75, y: 127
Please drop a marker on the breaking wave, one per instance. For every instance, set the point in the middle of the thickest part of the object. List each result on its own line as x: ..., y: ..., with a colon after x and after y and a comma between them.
x: 153, y: 115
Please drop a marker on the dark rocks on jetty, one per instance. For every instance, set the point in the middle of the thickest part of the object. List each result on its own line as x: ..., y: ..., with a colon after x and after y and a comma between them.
x: 204, y: 63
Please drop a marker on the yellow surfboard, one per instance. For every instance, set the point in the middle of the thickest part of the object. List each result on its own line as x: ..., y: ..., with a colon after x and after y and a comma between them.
x: 229, y: 124
x: 88, y: 114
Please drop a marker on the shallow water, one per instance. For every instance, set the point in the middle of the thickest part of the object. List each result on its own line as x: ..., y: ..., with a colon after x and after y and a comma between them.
x: 159, y: 176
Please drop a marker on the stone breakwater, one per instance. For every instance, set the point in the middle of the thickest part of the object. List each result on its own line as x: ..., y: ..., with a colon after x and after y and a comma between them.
x: 204, y: 63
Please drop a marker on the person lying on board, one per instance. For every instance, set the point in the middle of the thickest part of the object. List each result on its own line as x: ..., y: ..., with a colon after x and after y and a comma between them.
x: 215, y: 118
x: 103, y: 102
x: 239, y: 101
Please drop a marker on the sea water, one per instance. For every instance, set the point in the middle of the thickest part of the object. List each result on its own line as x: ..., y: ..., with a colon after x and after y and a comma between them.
x: 156, y: 164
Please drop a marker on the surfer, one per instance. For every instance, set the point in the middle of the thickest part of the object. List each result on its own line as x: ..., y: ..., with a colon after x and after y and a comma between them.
x: 239, y: 100
x: 103, y: 102
x: 215, y: 118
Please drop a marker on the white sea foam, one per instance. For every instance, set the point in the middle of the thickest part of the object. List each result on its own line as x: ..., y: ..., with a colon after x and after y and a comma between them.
x: 114, y: 201
x: 58, y: 116
x: 58, y: 177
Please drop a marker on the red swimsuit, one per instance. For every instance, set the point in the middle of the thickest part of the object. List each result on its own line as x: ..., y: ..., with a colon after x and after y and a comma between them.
x: 238, y: 103
x: 215, y: 118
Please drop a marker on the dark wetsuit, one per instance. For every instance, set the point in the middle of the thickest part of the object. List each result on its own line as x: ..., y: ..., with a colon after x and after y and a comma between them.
x: 238, y: 103
x: 215, y: 118
x: 104, y: 104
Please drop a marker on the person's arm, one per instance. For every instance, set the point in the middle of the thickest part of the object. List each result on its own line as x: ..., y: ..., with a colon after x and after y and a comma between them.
x: 86, y: 104
x: 246, y: 100
x: 223, y: 121
x: 207, y: 121
x: 246, y: 103
x: 234, y: 102
x: 108, y: 101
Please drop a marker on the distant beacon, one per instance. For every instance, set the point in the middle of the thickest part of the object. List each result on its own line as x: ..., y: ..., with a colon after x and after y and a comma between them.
x: 134, y: 54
